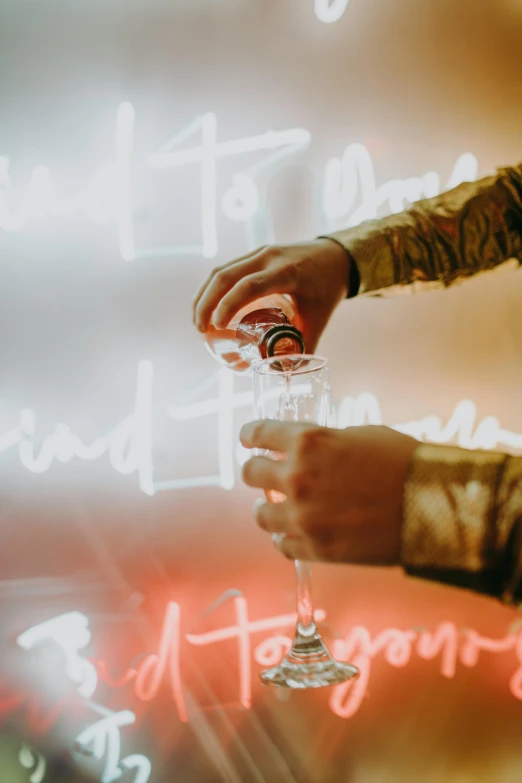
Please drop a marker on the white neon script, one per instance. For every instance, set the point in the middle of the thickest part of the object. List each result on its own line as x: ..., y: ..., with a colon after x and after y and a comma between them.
x: 463, y: 428
x: 70, y: 632
x: 130, y: 447
x: 109, y: 196
x: 128, y: 444
x: 350, y: 180
x: 105, y: 739
x: 106, y: 198
x: 241, y: 201
x: 349, y: 186
x: 329, y: 11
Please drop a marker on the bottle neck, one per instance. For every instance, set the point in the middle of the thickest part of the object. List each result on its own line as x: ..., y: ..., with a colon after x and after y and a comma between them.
x: 282, y: 340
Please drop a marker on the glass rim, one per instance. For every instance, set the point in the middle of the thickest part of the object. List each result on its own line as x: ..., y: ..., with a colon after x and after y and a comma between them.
x: 265, y: 366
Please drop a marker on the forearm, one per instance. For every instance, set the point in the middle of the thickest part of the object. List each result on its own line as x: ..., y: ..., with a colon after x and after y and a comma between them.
x: 462, y: 519
x: 473, y: 228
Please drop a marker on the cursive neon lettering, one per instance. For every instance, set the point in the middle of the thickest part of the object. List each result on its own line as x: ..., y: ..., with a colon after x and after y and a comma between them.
x: 130, y: 448
x: 270, y: 651
x: 462, y: 427
x: 351, y: 179
x: 141, y: 764
x: 109, y: 197
x: 152, y: 670
x: 129, y: 444
x: 104, y: 736
x: 70, y: 632
x: 446, y: 640
x: 396, y: 646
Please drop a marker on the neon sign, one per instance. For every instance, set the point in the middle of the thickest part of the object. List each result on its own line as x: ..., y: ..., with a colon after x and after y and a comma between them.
x: 461, y: 428
x: 351, y: 179
x: 454, y: 646
x: 129, y: 445
x: 109, y: 197
x: 105, y: 739
x: 70, y: 632
x: 330, y: 11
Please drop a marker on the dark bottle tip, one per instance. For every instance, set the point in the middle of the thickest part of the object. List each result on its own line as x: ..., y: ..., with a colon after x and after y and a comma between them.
x: 283, y: 341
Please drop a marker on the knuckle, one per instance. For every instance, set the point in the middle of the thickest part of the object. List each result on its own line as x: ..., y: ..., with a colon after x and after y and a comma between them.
x: 298, y: 483
x: 254, y: 284
x: 321, y: 539
x: 306, y: 443
x: 326, y: 547
x: 224, y: 277
x: 217, y: 272
x: 290, y: 274
x: 271, y: 251
x: 298, y: 520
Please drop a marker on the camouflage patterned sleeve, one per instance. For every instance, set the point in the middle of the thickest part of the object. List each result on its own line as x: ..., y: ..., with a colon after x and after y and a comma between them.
x: 462, y: 521
x: 473, y: 228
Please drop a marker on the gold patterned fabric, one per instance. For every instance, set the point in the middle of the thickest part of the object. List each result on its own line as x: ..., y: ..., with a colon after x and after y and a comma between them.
x: 462, y: 511
x: 462, y: 520
x: 473, y: 228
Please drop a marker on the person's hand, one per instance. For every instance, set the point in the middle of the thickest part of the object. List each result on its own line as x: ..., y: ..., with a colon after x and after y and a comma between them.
x: 314, y: 273
x: 343, y: 488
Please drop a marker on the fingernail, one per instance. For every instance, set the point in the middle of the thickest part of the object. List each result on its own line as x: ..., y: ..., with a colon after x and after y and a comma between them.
x: 258, y: 502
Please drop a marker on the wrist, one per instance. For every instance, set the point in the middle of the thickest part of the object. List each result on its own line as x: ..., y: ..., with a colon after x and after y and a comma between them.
x: 351, y: 278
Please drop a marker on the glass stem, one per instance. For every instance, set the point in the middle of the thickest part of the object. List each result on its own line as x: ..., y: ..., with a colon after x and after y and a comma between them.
x: 305, y: 609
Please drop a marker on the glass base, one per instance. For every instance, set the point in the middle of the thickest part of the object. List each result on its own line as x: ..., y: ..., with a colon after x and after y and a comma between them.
x: 308, y: 664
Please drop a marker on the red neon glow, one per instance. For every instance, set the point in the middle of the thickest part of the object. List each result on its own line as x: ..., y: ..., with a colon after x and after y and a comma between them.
x: 10, y: 702
x: 451, y: 645
x: 104, y: 676
x: 396, y: 646
x: 40, y: 718
x: 41, y: 721
x: 242, y: 631
x: 147, y: 684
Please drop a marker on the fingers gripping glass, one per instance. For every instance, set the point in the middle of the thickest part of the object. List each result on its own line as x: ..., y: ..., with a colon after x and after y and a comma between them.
x: 297, y: 388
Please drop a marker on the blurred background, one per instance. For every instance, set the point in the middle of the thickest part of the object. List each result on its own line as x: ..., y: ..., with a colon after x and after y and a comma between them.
x: 142, y: 143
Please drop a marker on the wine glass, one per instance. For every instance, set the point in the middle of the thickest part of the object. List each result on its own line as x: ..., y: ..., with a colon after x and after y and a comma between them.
x: 297, y: 388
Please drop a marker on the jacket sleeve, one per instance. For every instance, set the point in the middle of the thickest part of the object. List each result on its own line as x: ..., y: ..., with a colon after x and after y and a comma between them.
x: 462, y: 519
x: 462, y: 515
x: 475, y: 227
